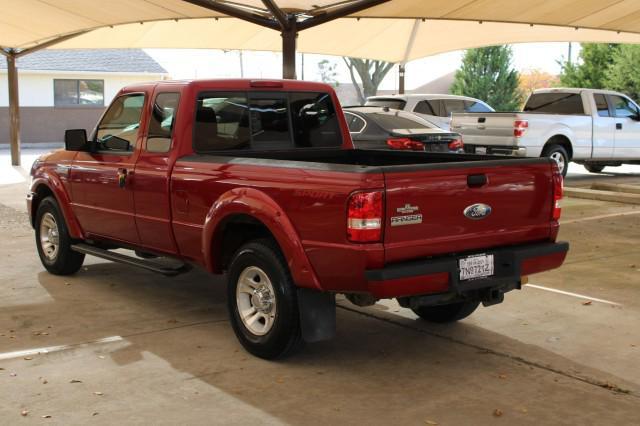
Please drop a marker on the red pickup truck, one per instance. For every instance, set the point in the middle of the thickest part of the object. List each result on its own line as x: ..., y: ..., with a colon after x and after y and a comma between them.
x: 259, y: 180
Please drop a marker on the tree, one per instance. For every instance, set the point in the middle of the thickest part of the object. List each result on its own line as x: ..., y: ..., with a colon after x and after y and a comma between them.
x: 328, y: 73
x: 486, y: 73
x: 622, y: 75
x: 536, y: 79
x: 371, y: 74
x: 591, y: 69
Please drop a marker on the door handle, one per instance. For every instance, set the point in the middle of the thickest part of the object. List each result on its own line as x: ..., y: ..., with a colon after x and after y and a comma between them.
x: 476, y: 181
x: 619, y: 126
x: 122, y: 177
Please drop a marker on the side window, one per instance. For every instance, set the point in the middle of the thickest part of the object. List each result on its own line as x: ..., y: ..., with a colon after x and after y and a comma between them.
x: 315, y: 123
x: 119, y: 128
x: 473, y: 106
x: 269, y: 123
x: 161, y: 123
x: 452, y: 105
x: 221, y: 122
x: 423, y: 107
x: 438, y: 107
x: 354, y: 123
x: 623, y: 107
x: 601, y: 105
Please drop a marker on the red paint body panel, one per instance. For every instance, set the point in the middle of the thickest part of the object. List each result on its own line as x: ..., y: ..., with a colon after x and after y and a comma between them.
x: 519, y: 196
x: 177, y: 203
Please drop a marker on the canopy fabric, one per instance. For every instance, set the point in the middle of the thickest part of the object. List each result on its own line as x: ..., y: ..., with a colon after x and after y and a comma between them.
x: 385, y: 39
x: 396, y: 31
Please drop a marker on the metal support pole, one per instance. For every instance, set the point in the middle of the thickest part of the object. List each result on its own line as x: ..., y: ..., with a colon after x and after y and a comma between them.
x: 289, y: 38
x: 401, y: 79
x: 14, y: 108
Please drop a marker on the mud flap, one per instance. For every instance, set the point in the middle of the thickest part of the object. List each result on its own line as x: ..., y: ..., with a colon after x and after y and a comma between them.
x: 317, y: 315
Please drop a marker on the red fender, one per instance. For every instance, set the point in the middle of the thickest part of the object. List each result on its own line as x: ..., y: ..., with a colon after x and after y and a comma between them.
x: 260, y: 206
x: 54, y: 184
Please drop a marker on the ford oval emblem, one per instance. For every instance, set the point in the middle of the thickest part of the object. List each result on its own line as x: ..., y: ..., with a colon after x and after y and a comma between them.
x: 477, y: 211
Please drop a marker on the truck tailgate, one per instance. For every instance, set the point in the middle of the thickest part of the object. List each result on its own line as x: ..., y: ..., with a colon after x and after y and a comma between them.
x: 426, y: 204
x: 485, y: 128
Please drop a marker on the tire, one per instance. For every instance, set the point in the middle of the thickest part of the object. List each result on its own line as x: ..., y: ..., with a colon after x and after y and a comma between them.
x: 594, y: 168
x: 446, y: 313
x: 53, y: 240
x: 558, y: 153
x: 260, y: 285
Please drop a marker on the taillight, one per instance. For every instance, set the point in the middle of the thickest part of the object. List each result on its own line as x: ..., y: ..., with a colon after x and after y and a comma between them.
x: 519, y: 127
x: 364, y: 217
x: 456, y: 145
x: 557, y: 192
x: 405, y: 143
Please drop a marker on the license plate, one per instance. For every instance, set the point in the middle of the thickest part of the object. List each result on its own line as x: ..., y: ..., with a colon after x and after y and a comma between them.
x: 481, y: 150
x: 477, y: 266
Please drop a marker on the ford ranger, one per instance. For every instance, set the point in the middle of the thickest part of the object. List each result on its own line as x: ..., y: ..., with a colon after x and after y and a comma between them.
x: 259, y: 180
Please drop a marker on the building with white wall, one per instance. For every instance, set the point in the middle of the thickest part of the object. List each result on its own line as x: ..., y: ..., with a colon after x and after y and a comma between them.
x: 64, y: 89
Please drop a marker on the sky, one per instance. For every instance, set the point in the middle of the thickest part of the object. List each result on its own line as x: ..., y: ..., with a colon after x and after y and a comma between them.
x: 210, y: 63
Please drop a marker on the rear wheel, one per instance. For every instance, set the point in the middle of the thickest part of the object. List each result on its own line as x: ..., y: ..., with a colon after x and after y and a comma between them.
x: 446, y: 313
x: 53, y: 240
x: 559, y: 155
x: 262, y: 301
x: 594, y: 168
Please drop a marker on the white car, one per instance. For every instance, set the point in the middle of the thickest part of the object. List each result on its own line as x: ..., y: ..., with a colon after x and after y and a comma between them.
x: 596, y: 128
x: 435, y: 108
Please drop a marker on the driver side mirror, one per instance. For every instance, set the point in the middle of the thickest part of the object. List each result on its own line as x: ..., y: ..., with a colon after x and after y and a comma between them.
x: 75, y: 140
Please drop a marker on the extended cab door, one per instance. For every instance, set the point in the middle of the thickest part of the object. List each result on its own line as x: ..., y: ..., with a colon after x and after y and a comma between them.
x: 100, y: 179
x: 151, y: 186
x: 627, y: 133
x: 604, y: 128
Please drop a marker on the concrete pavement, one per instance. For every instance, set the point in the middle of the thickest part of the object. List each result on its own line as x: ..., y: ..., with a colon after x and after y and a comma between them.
x: 114, y: 344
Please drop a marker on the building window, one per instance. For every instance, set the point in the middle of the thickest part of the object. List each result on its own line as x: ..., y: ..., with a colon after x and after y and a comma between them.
x: 78, y: 92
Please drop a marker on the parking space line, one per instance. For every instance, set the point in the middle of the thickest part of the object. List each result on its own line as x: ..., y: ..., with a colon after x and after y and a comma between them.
x: 604, y: 216
x: 49, y: 349
x: 579, y: 296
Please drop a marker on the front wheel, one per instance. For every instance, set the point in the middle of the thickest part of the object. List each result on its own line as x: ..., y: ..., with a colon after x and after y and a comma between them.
x: 446, y: 313
x: 559, y: 155
x: 262, y: 301
x: 53, y: 240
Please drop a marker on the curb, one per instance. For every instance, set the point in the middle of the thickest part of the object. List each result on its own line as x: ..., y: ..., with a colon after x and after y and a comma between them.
x: 590, y: 194
x: 616, y: 187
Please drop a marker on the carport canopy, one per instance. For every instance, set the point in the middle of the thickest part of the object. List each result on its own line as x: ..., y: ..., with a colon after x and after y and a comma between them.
x: 392, y: 30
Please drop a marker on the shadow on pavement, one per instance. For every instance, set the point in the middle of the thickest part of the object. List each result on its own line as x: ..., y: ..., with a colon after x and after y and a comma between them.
x: 375, y: 371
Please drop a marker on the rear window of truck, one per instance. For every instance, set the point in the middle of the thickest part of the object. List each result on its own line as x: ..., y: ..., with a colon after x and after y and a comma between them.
x: 555, y: 103
x: 264, y: 121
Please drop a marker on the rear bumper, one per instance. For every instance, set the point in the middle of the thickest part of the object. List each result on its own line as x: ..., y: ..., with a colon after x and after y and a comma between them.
x: 441, y: 275
x: 510, y: 150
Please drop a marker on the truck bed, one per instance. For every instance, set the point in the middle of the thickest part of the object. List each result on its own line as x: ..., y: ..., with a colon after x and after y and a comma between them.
x: 439, y: 187
x: 363, y: 160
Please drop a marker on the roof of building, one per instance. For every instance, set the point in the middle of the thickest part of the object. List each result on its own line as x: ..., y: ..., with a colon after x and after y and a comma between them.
x: 96, y: 60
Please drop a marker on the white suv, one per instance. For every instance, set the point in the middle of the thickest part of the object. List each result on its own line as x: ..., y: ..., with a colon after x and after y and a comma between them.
x: 435, y: 108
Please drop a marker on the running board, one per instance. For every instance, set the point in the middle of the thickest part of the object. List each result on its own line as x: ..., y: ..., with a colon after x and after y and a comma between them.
x: 129, y: 260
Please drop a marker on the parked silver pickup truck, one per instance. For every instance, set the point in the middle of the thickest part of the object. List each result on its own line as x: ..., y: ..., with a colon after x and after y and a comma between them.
x: 596, y: 128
